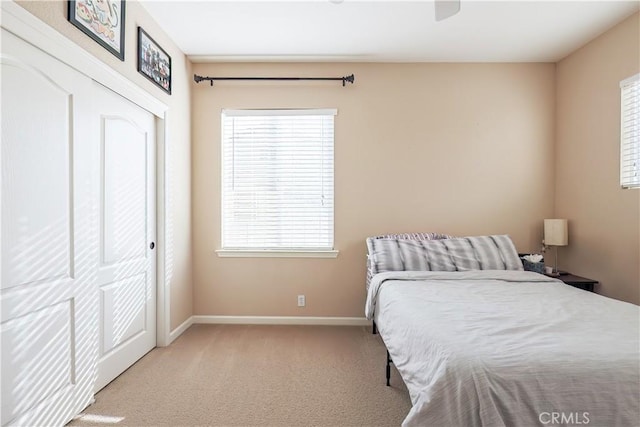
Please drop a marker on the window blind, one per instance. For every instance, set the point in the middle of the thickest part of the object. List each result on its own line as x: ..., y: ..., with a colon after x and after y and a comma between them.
x: 630, y: 132
x: 277, y: 179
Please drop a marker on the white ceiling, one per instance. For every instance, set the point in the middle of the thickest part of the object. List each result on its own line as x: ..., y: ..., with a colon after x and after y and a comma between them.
x: 385, y: 31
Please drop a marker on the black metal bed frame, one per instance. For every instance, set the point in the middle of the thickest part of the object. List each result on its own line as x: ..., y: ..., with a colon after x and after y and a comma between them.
x: 374, y: 331
x: 389, y: 362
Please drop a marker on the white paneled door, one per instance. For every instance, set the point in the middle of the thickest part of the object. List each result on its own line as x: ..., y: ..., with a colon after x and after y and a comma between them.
x: 49, y: 245
x: 78, y: 235
x: 127, y: 260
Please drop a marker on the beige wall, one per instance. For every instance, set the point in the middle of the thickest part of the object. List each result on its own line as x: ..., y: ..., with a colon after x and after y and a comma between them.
x: 54, y: 13
x: 604, y: 220
x: 454, y: 148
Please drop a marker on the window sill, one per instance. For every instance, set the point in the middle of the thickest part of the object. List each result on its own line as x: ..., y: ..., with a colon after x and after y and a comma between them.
x: 270, y: 253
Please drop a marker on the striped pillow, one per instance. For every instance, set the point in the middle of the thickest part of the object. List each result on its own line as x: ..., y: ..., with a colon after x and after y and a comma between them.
x: 456, y: 254
x: 401, y: 236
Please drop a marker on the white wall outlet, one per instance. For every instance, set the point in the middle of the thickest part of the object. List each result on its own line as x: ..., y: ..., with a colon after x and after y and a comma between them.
x: 301, y: 301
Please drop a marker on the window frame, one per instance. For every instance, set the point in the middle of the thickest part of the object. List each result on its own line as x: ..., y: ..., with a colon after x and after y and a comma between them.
x: 631, y: 81
x: 271, y: 252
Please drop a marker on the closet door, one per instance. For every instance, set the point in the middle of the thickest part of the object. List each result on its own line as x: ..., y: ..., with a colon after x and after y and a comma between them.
x: 49, y: 238
x: 127, y: 262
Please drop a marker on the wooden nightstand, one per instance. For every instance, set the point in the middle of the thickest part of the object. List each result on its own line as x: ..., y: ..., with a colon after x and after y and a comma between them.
x: 578, y: 282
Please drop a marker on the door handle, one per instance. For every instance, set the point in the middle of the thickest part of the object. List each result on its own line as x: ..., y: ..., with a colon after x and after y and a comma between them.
x: 152, y: 245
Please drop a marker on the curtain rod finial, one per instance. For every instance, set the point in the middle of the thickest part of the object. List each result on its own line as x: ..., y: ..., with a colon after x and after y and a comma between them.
x: 350, y: 79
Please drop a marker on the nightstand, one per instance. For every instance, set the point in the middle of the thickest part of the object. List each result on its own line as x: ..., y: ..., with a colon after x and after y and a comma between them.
x: 577, y: 281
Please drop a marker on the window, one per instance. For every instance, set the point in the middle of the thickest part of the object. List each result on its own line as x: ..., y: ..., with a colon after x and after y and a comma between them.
x: 630, y: 132
x: 277, y: 180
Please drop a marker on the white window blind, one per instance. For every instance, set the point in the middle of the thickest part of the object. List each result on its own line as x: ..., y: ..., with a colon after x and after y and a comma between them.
x: 277, y: 179
x: 630, y: 132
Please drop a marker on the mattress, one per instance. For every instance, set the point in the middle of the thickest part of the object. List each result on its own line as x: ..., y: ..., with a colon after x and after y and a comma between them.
x: 508, y: 348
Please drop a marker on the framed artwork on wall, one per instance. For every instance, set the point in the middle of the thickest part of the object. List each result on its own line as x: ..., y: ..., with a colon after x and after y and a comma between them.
x: 153, y: 62
x: 102, y: 20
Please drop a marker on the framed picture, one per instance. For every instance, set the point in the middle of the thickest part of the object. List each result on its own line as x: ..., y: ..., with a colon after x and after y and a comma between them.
x: 102, y: 20
x: 153, y: 62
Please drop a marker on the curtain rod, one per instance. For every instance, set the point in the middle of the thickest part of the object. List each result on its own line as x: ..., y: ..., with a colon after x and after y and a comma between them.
x: 344, y: 79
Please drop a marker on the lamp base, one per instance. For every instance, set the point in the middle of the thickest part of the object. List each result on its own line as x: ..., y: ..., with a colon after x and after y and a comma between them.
x: 556, y: 273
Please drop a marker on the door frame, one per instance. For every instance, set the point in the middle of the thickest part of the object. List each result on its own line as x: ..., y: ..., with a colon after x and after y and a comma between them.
x: 26, y: 26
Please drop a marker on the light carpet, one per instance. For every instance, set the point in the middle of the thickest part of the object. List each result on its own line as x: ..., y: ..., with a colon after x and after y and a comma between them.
x: 245, y: 375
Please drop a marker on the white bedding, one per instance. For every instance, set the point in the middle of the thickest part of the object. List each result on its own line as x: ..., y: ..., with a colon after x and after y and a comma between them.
x: 508, y: 348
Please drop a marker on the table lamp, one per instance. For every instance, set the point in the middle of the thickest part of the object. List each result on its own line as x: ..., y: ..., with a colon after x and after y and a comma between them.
x: 556, y: 233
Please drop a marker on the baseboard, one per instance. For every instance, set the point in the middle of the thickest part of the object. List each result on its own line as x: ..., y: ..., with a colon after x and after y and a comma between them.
x: 267, y: 320
x: 283, y: 320
x: 180, y: 329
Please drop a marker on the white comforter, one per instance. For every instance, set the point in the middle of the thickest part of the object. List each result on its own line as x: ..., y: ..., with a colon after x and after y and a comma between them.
x: 508, y: 348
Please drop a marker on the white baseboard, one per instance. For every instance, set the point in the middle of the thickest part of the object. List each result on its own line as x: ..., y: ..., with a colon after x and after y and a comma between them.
x: 282, y: 320
x: 267, y: 320
x: 180, y: 329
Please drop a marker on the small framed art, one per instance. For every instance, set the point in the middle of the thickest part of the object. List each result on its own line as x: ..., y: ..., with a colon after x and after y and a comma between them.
x: 153, y: 62
x: 102, y: 20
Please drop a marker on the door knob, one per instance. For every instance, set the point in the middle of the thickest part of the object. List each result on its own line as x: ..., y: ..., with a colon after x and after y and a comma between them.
x: 152, y: 245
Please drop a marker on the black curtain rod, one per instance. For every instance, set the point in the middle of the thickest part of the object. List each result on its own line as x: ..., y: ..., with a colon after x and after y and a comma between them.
x: 344, y: 79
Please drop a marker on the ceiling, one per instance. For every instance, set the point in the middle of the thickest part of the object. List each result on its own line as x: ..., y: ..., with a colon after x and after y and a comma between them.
x: 384, y: 31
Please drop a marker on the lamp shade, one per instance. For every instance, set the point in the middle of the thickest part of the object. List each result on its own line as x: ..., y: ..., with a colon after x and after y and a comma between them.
x: 556, y: 232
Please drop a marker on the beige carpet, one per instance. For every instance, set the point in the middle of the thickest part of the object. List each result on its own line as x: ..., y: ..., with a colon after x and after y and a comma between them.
x: 237, y: 375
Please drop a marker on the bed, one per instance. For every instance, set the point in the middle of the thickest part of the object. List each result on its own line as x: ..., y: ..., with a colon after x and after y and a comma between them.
x: 501, y: 346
